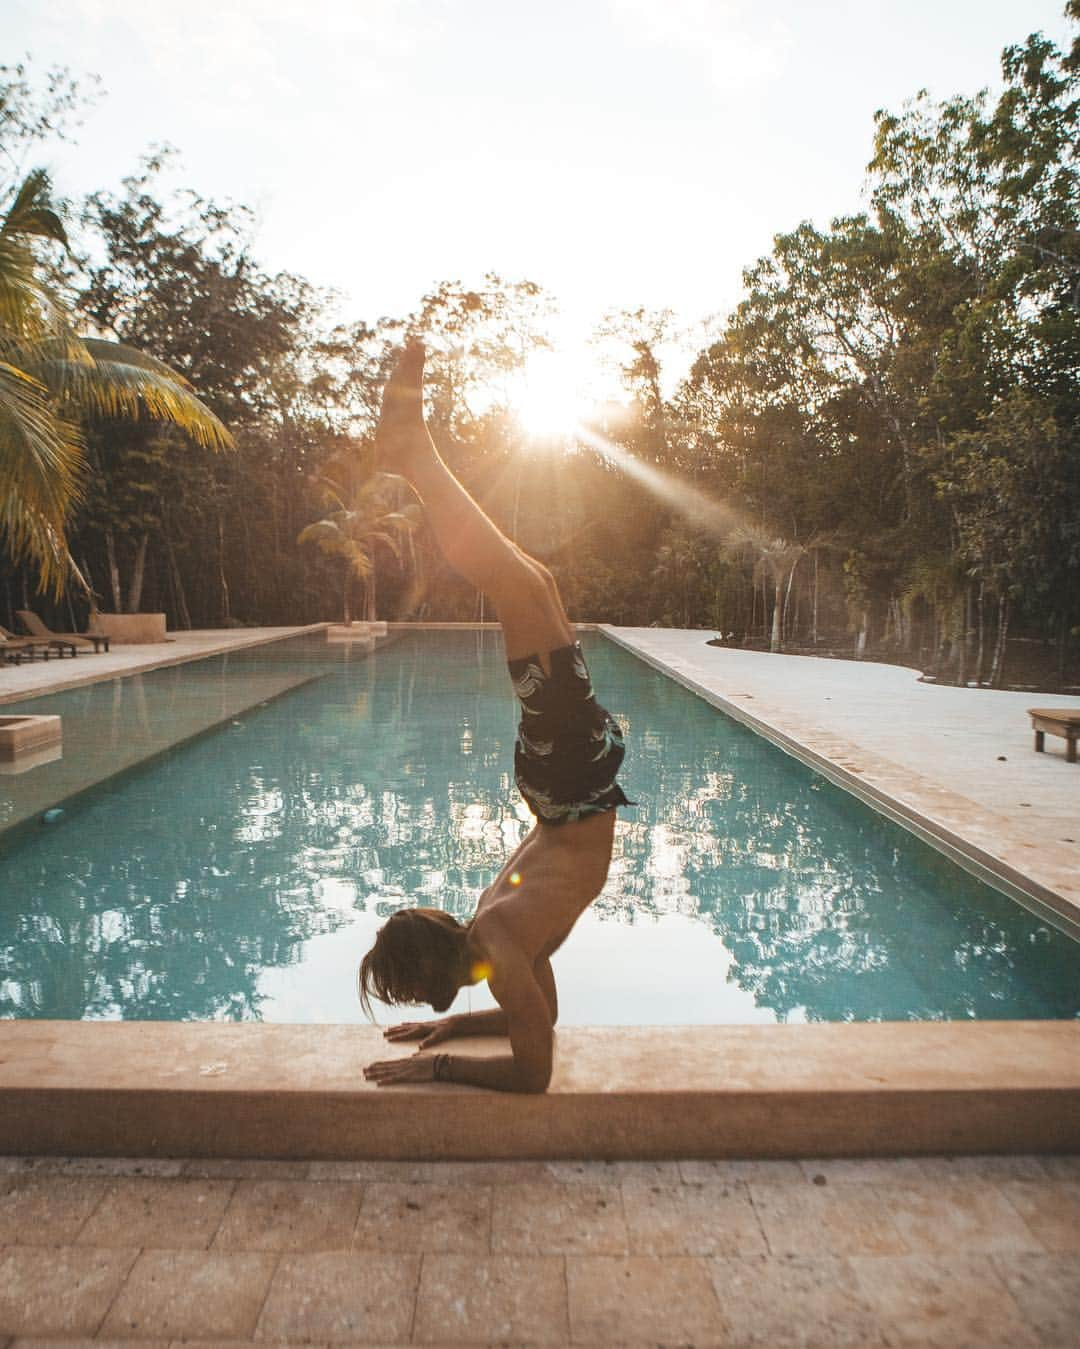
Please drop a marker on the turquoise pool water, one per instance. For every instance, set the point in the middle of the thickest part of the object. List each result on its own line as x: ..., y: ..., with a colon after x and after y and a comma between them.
x: 243, y: 873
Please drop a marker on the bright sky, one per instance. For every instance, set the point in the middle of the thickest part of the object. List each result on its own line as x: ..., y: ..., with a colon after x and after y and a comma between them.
x: 619, y: 152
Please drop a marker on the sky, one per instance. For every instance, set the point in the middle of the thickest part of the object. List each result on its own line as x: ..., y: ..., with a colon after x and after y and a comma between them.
x: 622, y: 153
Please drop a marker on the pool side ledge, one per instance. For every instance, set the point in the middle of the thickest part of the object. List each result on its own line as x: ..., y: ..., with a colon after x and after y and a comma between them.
x: 156, y: 1089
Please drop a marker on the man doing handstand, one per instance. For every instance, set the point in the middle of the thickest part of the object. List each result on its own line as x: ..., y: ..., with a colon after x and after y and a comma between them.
x: 567, y: 753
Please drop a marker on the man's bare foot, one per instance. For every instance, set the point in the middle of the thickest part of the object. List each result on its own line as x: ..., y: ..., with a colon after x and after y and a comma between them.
x: 401, y: 434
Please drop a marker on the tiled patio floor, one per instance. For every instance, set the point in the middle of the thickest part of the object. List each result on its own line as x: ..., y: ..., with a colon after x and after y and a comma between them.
x: 974, y: 1251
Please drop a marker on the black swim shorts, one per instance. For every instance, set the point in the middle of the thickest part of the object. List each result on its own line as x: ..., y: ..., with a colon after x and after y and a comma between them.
x: 568, y: 748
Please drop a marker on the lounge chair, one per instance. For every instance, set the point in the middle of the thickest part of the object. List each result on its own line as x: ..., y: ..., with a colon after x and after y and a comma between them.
x: 36, y: 628
x: 13, y: 649
x: 31, y: 645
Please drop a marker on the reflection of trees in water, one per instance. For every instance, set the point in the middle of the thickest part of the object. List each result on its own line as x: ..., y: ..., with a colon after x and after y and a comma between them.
x: 392, y: 779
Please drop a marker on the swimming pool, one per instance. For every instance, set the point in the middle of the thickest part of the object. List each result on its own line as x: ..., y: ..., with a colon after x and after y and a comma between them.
x: 243, y: 873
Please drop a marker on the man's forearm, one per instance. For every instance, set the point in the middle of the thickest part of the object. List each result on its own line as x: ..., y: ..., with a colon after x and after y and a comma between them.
x: 497, y: 1074
x: 492, y: 1022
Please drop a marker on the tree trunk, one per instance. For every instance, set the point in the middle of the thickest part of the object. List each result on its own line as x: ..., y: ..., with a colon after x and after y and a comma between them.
x: 980, y: 651
x: 813, y: 634
x: 776, y: 640
x: 787, y: 598
x: 864, y: 634
x: 1062, y: 642
x: 369, y: 594
x: 347, y: 616
x: 176, y: 583
x: 997, y: 669
x: 138, y: 572
x: 226, y: 613
x: 114, y: 572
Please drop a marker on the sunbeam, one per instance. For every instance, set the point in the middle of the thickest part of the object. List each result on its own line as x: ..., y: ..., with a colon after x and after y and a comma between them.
x: 693, y: 504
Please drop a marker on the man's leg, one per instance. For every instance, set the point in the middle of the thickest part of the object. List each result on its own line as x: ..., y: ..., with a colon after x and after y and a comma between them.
x: 523, y: 591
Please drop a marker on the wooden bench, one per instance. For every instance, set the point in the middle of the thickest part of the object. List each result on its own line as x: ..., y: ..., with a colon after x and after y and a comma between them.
x: 1061, y: 721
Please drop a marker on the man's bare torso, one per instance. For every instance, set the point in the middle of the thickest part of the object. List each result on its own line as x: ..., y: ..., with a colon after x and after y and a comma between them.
x: 544, y: 888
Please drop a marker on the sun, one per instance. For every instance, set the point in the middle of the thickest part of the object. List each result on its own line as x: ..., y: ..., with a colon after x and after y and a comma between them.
x: 547, y: 398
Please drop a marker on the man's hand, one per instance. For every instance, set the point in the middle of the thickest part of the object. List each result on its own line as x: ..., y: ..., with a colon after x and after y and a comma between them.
x: 427, y: 1032
x: 391, y: 1072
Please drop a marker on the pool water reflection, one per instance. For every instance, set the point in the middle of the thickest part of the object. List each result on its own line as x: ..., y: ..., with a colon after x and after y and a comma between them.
x: 242, y: 875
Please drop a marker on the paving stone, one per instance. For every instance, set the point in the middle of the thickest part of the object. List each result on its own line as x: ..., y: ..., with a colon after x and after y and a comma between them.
x: 58, y: 1290
x: 557, y: 1219
x: 1047, y: 1290
x: 183, y: 1294
x: 432, y: 1173
x: 1066, y: 1167
x: 245, y: 1168
x: 234, y: 1344
x: 289, y: 1215
x: 692, y: 1220
x: 335, y: 1296
x: 453, y: 1218
x: 169, y: 1213
x: 808, y: 1219
x: 47, y: 1210
x: 89, y: 1344
x: 641, y: 1298
x: 863, y: 1170
x: 614, y: 1173
x: 941, y: 1300
x: 492, y: 1299
x: 1051, y: 1211
x: 976, y: 1217
x: 40, y: 1165
x: 983, y: 1167
x: 780, y: 1301
x: 728, y: 1171
x: 122, y: 1166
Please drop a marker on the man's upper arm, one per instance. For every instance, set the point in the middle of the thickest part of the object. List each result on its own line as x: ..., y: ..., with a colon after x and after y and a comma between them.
x: 528, y: 1015
x: 546, y: 981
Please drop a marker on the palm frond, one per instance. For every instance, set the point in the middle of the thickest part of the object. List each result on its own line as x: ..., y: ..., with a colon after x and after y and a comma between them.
x: 120, y: 388
x: 31, y: 212
x: 40, y: 463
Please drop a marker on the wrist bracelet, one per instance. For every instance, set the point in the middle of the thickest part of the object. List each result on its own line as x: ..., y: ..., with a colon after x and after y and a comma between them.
x: 441, y: 1070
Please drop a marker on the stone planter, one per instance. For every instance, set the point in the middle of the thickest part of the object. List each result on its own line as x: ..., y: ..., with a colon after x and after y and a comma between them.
x: 26, y: 741
x: 130, y: 629
x: 355, y: 632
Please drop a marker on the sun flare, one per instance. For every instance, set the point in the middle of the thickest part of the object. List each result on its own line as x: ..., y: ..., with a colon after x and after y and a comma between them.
x: 547, y: 397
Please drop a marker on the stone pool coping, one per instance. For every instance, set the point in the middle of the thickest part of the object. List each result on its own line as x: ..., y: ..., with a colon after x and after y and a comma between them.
x: 159, y: 1089
x: 165, y: 1089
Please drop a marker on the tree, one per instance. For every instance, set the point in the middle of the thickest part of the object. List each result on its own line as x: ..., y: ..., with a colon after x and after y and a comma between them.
x: 49, y: 378
x: 367, y: 512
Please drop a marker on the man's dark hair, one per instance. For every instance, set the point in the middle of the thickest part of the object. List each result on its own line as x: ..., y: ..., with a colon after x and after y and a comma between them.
x: 416, y: 955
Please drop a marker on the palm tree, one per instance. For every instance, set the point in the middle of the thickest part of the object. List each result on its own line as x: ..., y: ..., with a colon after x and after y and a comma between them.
x: 366, y: 512
x: 50, y: 378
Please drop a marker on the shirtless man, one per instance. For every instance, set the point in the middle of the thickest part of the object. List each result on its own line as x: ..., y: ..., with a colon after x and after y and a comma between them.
x: 566, y: 756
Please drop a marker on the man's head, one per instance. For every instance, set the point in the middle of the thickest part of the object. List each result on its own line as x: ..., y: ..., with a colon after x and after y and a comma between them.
x: 419, y: 956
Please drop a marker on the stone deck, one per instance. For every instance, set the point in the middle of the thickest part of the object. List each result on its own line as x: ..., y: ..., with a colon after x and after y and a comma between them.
x: 938, y: 1251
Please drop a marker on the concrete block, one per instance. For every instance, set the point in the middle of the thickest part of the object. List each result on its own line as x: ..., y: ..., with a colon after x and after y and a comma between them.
x: 23, y: 735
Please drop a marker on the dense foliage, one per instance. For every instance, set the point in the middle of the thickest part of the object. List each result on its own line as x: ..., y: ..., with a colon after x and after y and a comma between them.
x: 879, y: 453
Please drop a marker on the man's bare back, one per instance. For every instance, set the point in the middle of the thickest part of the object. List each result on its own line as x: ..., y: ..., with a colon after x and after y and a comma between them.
x: 567, y: 754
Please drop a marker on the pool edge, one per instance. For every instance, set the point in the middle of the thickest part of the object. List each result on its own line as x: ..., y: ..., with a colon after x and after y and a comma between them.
x: 156, y: 1089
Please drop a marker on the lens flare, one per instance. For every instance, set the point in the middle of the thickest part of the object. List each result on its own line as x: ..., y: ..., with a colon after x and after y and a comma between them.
x: 546, y: 397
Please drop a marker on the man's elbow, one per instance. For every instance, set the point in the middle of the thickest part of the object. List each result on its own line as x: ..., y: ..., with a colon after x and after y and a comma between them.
x: 534, y: 1081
